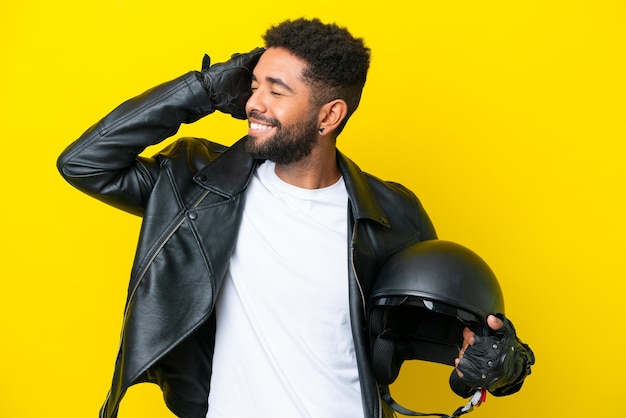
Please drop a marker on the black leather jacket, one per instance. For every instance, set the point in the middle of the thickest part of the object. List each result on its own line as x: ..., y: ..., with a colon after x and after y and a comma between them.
x: 190, y: 197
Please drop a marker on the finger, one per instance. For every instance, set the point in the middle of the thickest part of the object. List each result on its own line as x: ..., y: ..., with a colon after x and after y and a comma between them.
x: 468, y: 337
x: 456, y: 363
x: 494, y: 322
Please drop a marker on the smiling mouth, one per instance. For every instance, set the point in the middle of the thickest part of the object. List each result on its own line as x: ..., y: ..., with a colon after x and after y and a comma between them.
x: 255, y: 126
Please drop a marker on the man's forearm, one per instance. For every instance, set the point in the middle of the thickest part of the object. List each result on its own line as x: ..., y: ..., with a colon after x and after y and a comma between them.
x: 103, y: 161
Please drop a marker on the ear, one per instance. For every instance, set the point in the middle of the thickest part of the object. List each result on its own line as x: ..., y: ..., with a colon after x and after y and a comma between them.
x: 331, y: 115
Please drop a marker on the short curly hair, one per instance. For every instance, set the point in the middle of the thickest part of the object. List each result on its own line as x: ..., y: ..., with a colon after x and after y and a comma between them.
x: 337, y: 61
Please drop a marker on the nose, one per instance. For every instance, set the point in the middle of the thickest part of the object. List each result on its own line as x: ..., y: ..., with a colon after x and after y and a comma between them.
x: 255, y: 103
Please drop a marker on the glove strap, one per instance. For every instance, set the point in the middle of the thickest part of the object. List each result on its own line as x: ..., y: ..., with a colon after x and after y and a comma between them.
x: 475, y: 400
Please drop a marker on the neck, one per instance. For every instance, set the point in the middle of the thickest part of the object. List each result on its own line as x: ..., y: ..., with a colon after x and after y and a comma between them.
x: 316, y: 171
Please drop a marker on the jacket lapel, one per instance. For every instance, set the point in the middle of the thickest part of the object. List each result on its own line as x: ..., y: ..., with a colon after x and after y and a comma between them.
x: 362, y: 199
x: 229, y: 174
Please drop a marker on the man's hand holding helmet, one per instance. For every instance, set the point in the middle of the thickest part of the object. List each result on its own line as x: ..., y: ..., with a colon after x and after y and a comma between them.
x: 498, y: 363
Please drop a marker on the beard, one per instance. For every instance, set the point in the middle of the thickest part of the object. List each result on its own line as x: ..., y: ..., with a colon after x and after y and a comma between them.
x: 288, y: 144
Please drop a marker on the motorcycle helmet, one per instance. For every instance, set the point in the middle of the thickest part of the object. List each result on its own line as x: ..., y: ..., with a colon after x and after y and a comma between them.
x: 423, y: 298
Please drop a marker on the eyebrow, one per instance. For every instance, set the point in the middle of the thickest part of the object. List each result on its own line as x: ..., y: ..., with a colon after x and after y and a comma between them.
x: 273, y: 80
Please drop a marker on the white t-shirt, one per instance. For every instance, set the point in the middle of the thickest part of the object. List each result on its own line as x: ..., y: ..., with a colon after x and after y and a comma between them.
x: 284, y: 344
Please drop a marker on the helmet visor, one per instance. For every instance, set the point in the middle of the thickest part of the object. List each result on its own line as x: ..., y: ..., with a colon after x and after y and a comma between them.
x: 424, y: 329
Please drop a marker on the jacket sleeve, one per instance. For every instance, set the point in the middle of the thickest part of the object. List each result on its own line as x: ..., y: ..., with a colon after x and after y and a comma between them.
x: 105, y: 163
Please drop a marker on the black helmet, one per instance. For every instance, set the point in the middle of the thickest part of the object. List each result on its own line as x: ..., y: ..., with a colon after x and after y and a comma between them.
x: 423, y: 298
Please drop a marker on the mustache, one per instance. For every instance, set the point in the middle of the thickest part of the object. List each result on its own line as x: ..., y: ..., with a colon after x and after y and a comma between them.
x: 264, y: 119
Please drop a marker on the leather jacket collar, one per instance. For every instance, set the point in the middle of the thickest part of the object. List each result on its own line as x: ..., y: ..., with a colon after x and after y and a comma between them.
x: 230, y: 176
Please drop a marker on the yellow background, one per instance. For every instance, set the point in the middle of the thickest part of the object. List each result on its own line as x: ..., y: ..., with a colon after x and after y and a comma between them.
x: 505, y: 117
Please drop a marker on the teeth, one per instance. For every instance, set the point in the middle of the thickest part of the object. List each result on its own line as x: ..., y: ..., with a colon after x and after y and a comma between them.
x: 259, y: 126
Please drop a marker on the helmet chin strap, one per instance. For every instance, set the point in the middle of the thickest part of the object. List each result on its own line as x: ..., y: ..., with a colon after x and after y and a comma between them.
x: 475, y: 400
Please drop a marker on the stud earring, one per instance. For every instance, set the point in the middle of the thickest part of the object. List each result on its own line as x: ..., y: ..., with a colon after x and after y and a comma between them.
x: 321, y: 130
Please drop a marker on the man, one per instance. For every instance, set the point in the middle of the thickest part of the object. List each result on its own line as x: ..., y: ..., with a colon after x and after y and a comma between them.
x: 244, y: 299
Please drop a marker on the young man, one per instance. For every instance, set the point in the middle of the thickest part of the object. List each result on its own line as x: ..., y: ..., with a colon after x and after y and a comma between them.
x: 248, y: 290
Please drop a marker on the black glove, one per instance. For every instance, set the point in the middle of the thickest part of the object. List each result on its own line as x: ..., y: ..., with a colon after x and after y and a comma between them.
x: 228, y: 83
x: 498, y: 363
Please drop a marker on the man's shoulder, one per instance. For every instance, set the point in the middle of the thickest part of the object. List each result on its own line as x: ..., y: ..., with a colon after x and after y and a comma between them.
x: 378, y: 186
x: 389, y: 186
x: 192, y: 152
x: 391, y: 191
x: 193, y: 145
x: 380, y: 199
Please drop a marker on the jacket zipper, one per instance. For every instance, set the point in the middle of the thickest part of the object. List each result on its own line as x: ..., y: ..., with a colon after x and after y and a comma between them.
x: 145, y: 269
x: 362, y: 294
x: 162, y: 244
